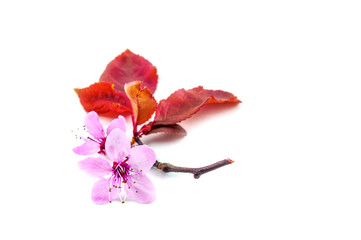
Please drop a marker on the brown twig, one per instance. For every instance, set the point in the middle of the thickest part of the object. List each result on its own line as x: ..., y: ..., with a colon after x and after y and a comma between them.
x: 197, y: 172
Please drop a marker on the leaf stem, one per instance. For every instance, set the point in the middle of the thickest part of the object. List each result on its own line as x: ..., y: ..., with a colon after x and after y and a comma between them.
x: 197, y: 172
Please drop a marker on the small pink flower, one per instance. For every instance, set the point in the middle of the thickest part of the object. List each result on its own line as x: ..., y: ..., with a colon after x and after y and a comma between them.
x: 95, y: 143
x: 125, y: 177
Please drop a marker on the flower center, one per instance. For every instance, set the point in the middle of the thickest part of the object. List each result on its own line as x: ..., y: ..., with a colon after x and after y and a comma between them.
x: 121, y: 178
x: 122, y: 170
x: 102, y: 146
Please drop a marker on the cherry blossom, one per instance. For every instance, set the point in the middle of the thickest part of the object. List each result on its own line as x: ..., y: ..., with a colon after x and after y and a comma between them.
x: 95, y: 141
x: 124, y: 175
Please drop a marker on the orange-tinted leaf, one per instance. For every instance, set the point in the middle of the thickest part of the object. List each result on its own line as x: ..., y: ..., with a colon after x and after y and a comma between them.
x: 173, y: 129
x: 103, y: 99
x: 129, y: 67
x: 182, y: 104
x: 142, y: 101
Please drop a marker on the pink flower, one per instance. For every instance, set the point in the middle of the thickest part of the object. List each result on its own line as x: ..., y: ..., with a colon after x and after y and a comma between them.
x: 95, y: 143
x: 125, y: 177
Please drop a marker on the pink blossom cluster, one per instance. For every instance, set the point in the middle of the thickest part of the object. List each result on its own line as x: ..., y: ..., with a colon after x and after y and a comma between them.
x: 120, y: 167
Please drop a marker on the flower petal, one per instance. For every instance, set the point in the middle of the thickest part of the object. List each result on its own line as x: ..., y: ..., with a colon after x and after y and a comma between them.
x: 87, y: 148
x: 94, y: 126
x: 100, y: 192
x: 117, y: 123
x: 143, y: 190
x: 96, y: 167
x: 117, y: 145
x: 142, y: 158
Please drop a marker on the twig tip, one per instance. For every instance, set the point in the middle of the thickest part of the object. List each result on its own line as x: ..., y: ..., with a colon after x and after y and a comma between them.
x: 230, y: 160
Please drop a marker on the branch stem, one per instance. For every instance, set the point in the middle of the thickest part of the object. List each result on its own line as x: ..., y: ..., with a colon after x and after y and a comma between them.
x: 197, y: 172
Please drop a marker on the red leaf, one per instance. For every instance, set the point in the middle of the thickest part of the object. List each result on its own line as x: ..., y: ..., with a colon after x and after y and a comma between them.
x: 129, y: 67
x: 182, y: 104
x: 142, y: 101
x: 173, y: 129
x: 103, y: 99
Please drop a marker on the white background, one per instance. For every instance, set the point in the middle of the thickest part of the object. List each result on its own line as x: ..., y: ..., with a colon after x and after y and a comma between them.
x: 295, y: 139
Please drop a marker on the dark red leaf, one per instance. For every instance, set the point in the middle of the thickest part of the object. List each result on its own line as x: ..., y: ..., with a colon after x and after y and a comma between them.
x: 173, y: 129
x: 182, y: 104
x: 129, y: 67
x: 103, y: 99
